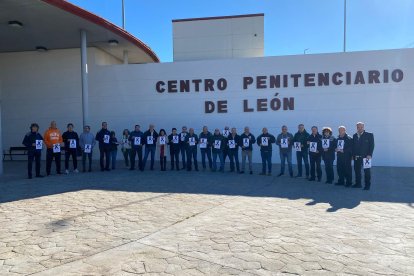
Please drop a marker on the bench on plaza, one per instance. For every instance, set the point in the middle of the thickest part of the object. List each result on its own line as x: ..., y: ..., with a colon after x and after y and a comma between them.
x: 14, y: 151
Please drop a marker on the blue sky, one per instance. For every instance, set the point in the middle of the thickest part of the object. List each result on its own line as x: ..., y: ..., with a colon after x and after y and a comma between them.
x: 290, y: 25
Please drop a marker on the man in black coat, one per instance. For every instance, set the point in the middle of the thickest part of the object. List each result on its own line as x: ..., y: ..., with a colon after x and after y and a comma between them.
x: 150, y: 139
x: 103, y: 137
x: 344, y: 145
x: 315, y: 148
x: 363, y: 148
x: 33, y: 141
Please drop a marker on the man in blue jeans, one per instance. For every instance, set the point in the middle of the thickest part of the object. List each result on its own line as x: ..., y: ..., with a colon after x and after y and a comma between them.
x: 284, y: 141
x: 150, y: 139
x: 301, y: 147
x: 183, y: 146
x: 205, y: 147
x: 265, y: 141
x: 217, y: 142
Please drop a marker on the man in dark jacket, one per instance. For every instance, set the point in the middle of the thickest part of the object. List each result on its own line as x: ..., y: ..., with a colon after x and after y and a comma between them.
x: 363, y: 148
x: 315, y: 148
x: 246, y: 142
x: 191, y: 140
x: 183, y: 146
x: 136, y: 146
x: 150, y: 139
x: 343, y: 150
x: 205, y: 147
x: 265, y: 141
x: 218, y: 144
x: 284, y: 141
x: 103, y: 138
x: 33, y: 141
x: 71, y: 140
x: 233, y: 142
x: 226, y: 133
x: 174, y: 143
x: 301, y: 147
x: 328, y: 153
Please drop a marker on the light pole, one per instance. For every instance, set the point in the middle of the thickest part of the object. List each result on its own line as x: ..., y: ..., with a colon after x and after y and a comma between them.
x: 123, y: 15
x: 344, y: 26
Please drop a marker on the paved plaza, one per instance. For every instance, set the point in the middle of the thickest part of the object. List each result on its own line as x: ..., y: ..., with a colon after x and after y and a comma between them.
x: 202, y: 223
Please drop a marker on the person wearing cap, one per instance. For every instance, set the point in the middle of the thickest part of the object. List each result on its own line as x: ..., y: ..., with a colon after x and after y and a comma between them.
x: 284, y: 141
x: 71, y: 141
x: 233, y: 142
x: 302, y: 153
x: 103, y: 137
x: 363, y: 148
x: 135, y: 137
x: 315, y: 149
x: 87, y: 142
x: 265, y: 141
x: 53, y: 140
x: 33, y: 141
x: 174, y: 143
x: 150, y: 138
x: 247, y: 140
x: 183, y: 146
x: 205, y: 147
x: 217, y: 142
x: 328, y: 153
x: 343, y: 150
x: 191, y: 139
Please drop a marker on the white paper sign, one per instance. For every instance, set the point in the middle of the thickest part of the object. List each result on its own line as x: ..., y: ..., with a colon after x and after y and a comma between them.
x: 137, y: 141
x: 39, y: 144
x: 284, y: 144
x: 72, y: 144
x: 106, y: 139
x: 325, y: 143
x: 191, y: 141
x: 313, y: 146
x: 367, y: 163
x: 88, y: 148
x: 217, y: 144
x: 56, y: 148
x: 162, y: 140
x: 226, y: 132
x: 340, y: 145
x: 232, y: 144
x: 297, y: 146
x: 175, y: 139
x: 150, y: 140
x: 265, y: 141
x: 183, y: 134
x: 246, y: 142
x: 203, y: 143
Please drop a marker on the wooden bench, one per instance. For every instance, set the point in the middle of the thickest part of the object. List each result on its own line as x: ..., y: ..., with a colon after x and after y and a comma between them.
x: 14, y: 151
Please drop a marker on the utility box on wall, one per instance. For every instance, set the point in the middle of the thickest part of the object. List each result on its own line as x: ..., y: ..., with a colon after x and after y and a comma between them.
x: 218, y: 37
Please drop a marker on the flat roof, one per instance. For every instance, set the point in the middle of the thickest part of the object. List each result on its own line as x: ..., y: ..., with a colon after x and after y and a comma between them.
x: 218, y: 17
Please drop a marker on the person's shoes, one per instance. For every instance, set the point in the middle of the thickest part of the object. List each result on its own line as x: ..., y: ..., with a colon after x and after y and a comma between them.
x: 319, y: 179
x: 84, y: 170
x: 269, y: 174
x: 89, y: 170
x: 183, y: 168
x: 58, y: 173
x: 280, y: 174
x: 189, y: 170
x: 172, y: 168
x: 231, y: 170
x: 29, y: 177
x: 152, y: 169
x: 262, y: 173
x: 329, y: 182
x: 298, y: 175
x: 102, y: 170
x: 291, y: 175
x: 76, y: 171
x: 39, y: 176
x: 356, y: 186
x: 222, y: 170
x: 251, y: 172
x: 131, y: 169
x: 107, y: 170
x: 66, y: 171
x: 339, y: 184
x: 196, y: 170
x: 241, y: 172
x: 348, y: 185
x: 366, y: 188
x: 307, y: 176
x: 311, y: 179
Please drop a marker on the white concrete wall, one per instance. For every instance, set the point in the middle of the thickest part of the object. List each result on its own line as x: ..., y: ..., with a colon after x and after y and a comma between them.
x: 44, y: 86
x: 218, y: 38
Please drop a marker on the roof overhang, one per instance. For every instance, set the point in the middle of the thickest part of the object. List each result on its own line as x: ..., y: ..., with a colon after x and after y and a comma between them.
x: 56, y: 24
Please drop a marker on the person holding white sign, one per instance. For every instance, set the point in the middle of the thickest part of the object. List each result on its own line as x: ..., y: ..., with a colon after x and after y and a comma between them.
x: 315, y: 148
x: 103, y: 137
x: 205, y: 148
x: 284, y: 141
x: 136, y: 140
x: 363, y: 148
x: 162, y: 142
x: 218, y: 143
x: 344, y: 158
x: 33, y: 141
x: 113, y: 141
x: 87, y: 142
x: 191, y: 140
x: 265, y: 141
x: 71, y: 141
x: 183, y: 146
x: 226, y: 132
x: 247, y: 140
x: 150, y: 137
x: 328, y: 153
x: 174, y: 143
x: 301, y: 147
x: 126, y: 147
x: 53, y: 139
x: 233, y: 142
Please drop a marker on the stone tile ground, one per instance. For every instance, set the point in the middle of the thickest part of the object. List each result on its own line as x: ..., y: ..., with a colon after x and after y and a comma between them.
x: 201, y: 223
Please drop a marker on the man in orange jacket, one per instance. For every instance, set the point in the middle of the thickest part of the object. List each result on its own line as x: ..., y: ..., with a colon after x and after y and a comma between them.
x: 53, y: 141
